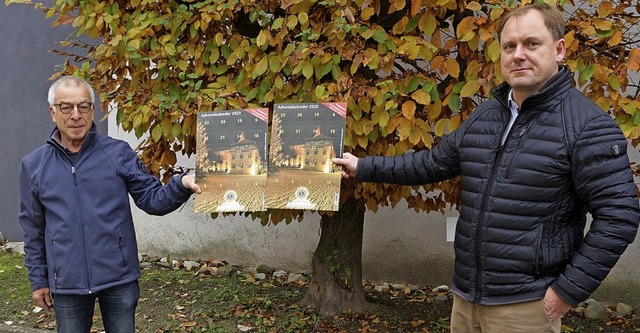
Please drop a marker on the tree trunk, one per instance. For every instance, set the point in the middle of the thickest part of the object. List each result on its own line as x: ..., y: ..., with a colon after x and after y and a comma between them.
x: 336, y: 281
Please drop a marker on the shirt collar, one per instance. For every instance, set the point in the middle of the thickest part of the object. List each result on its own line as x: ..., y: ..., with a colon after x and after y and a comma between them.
x: 512, y: 104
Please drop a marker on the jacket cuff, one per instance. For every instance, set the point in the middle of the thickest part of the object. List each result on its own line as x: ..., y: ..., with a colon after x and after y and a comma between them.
x: 35, y: 287
x: 562, y: 293
x: 181, y: 186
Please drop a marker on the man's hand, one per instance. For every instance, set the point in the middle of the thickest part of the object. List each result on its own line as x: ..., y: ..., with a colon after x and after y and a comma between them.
x: 554, y: 306
x: 349, y: 164
x: 189, y: 182
x: 42, y: 297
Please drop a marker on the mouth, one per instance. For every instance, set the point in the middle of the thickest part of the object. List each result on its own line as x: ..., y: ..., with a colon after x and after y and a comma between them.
x: 519, y: 70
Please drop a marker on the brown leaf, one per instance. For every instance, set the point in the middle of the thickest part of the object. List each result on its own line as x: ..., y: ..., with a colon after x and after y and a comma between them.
x: 415, y: 7
x: 634, y: 59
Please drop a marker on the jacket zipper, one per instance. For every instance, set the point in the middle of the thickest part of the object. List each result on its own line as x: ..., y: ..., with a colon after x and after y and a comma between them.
x: 485, y: 202
x: 61, y: 148
x: 481, y: 223
x: 82, y: 226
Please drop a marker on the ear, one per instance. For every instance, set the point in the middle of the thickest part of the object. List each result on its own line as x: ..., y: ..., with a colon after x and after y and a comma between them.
x: 52, y: 113
x: 561, y: 50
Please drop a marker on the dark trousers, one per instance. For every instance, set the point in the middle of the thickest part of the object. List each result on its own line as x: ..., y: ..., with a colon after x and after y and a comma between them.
x: 74, y: 313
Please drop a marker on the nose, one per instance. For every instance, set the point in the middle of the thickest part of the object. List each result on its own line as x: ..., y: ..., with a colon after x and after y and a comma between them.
x: 518, y: 53
x: 75, y: 113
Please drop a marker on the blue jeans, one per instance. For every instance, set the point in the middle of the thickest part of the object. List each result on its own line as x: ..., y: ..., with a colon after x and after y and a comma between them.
x: 74, y: 313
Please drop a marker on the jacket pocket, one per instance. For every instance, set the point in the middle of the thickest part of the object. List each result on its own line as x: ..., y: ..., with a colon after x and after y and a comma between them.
x: 538, y: 260
x: 121, y: 248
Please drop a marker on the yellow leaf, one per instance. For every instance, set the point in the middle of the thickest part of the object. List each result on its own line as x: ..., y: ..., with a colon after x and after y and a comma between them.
x: 434, y: 111
x: 465, y: 30
x: 156, y: 133
x: 292, y: 21
x: 470, y: 88
x: 409, y: 109
x: 363, y: 141
x: 400, y: 26
x: 603, y: 25
x: 367, y: 13
x: 421, y: 97
x: 441, y: 127
x: 167, y: 126
x: 474, y: 42
x: 415, y: 136
x: 454, y: 123
x: 428, y: 24
x: 615, y: 39
x: 404, y: 128
x: 493, y: 50
x: 474, y: 5
x: 604, y: 9
x: 380, y: 117
x: 428, y: 140
x: 303, y: 18
x: 260, y: 68
x: 262, y: 38
x: 453, y: 68
x: 496, y: 12
x: 219, y: 38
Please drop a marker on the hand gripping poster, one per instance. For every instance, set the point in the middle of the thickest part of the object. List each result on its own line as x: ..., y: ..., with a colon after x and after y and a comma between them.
x: 231, y: 160
x: 304, y: 139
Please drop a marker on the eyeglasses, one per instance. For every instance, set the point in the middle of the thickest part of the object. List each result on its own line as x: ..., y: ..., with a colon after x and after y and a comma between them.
x: 67, y: 108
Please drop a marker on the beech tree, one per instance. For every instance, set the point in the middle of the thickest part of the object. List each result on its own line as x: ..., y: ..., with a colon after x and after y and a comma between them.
x: 410, y: 70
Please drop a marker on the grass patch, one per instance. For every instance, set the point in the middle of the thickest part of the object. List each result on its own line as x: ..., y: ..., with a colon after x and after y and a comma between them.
x: 178, y: 300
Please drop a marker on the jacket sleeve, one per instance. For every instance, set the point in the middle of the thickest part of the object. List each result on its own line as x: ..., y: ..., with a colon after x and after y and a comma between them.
x: 604, y: 181
x: 31, y: 218
x: 416, y: 167
x: 148, y: 193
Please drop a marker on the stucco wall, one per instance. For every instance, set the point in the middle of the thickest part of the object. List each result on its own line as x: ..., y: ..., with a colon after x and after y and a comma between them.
x: 26, y: 63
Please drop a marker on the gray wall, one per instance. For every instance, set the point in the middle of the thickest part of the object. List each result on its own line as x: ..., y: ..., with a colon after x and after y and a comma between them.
x: 26, y: 64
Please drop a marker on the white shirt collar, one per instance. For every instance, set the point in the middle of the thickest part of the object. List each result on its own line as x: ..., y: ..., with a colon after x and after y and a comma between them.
x: 512, y: 104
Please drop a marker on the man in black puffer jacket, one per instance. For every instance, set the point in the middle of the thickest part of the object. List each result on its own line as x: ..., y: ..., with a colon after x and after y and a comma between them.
x: 534, y: 160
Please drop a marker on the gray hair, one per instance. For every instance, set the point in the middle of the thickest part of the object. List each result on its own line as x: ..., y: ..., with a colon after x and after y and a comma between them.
x: 69, y: 81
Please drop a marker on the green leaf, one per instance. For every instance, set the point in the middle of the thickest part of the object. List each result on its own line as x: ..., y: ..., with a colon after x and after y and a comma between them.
x: 307, y: 69
x: 454, y: 103
x: 586, y: 73
x: 413, y: 23
x: 379, y: 35
x: 170, y: 49
x: 277, y: 23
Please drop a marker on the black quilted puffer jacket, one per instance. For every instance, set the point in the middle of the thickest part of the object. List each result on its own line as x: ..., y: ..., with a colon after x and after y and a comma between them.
x: 524, y: 202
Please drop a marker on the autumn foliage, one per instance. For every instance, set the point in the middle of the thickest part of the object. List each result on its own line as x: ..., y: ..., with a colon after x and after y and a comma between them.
x: 410, y: 71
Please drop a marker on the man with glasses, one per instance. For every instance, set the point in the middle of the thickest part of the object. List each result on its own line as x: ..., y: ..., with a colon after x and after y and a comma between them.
x: 80, y: 240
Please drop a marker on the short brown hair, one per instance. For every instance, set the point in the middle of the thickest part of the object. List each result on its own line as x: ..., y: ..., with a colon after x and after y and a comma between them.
x: 553, y: 19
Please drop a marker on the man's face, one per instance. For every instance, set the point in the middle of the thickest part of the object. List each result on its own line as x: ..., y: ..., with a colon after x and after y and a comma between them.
x: 75, y: 125
x: 529, y: 56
